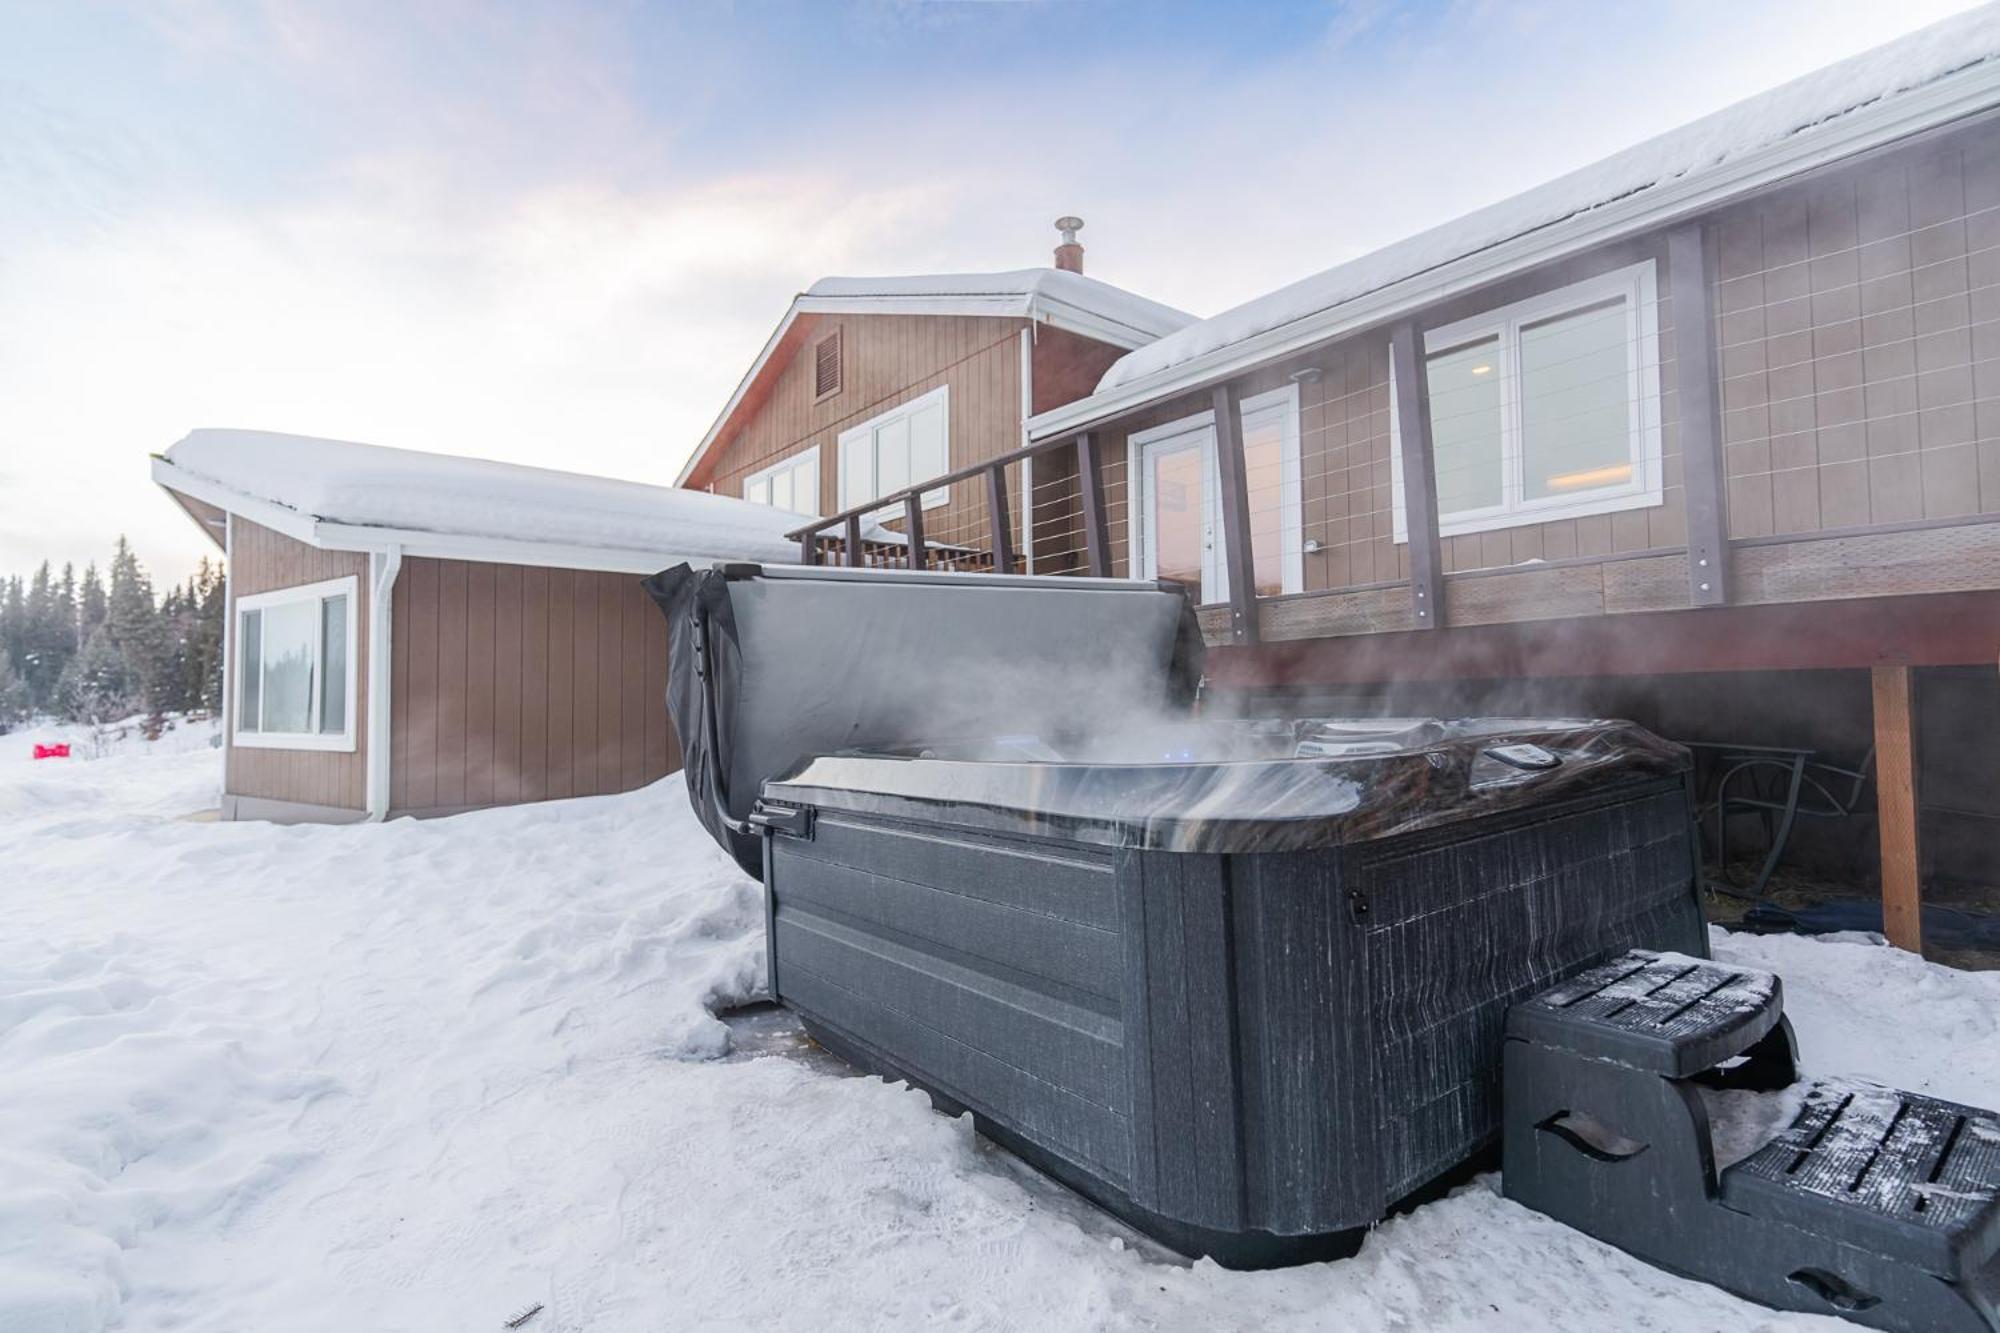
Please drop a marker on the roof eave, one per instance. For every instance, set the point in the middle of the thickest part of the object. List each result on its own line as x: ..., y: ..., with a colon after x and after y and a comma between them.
x: 742, y: 391
x: 330, y: 536
x: 1953, y: 97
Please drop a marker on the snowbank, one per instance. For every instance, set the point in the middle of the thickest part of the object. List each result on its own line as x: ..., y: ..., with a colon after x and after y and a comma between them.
x: 1758, y: 122
x: 421, y: 1076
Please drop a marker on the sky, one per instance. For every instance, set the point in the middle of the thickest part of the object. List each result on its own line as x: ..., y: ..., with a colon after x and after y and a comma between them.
x: 558, y: 234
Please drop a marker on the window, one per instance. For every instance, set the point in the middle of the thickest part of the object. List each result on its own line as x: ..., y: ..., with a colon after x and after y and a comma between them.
x: 1546, y: 409
x: 294, y: 667
x: 792, y: 483
x: 1178, y: 535
x: 826, y: 366
x: 897, y: 449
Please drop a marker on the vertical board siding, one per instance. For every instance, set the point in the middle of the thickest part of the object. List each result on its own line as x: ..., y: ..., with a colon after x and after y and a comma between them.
x: 889, y: 360
x: 561, y: 721
x: 453, y: 603
x: 541, y: 684
x: 265, y: 561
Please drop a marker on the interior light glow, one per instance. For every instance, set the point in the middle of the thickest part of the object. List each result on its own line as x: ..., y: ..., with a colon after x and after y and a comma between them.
x: 1596, y: 476
x: 1482, y: 370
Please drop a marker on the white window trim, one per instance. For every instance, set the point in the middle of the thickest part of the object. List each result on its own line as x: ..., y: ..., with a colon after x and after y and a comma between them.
x: 1285, y: 402
x: 1638, y: 285
x: 313, y: 592
x: 795, y: 461
x: 932, y: 498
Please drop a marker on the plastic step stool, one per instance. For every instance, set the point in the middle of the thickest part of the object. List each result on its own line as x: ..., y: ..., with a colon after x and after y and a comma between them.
x: 1877, y: 1205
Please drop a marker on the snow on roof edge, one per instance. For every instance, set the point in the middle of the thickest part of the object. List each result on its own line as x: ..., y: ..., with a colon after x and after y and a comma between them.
x: 1143, y: 316
x: 1100, y: 298
x: 373, y: 486
x: 1882, y: 73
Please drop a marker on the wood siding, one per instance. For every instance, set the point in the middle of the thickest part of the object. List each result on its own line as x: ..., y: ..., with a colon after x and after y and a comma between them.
x: 888, y: 360
x: 1859, y: 333
x: 1345, y: 472
x: 518, y: 683
x: 261, y: 560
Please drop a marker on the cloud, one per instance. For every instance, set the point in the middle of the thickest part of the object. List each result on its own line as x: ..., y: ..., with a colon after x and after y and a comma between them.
x: 581, y: 326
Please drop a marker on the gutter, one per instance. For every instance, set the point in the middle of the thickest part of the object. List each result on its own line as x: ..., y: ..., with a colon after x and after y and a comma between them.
x: 383, y: 566
x: 1902, y: 116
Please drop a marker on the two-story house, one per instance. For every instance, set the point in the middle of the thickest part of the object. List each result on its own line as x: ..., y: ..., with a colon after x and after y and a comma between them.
x: 868, y: 384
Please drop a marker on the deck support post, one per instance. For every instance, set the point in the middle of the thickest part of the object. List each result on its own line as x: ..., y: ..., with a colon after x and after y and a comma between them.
x: 1699, y: 414
x: 913, y: 526
x: 1420, y: 511
x: 809, y: 548
x: 854, y: 540
x: 1096, y: 531
x: 1896, y: 807
x: 1238, y: 558
x: 996, y: 506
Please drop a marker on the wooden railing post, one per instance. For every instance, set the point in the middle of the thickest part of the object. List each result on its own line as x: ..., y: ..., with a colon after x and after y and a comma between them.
x: 1896, y: 808
x: 1096, y: 530
x: 996, y: 506
x: 854, y: 540
x: 809, y: 547
x: 1420, y: 511
x: 1238, y: 557
x: 1699, y: 415
x: 913, y: 525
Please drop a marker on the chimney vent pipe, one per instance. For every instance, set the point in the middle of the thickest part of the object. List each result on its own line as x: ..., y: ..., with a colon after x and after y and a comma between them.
x: 1069, y: 254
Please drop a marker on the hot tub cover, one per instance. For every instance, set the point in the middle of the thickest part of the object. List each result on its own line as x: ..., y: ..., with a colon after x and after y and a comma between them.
x: 1242, y: 786
x: 772, y: 666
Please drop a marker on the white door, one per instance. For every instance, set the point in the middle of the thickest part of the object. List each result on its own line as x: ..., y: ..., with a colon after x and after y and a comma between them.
x: 1178, y: 516
x: 1178, y: 511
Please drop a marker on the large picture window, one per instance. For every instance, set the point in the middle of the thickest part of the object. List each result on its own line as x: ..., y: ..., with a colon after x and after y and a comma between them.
x: 792, y: 484
x: 901, y: 447
x: 295, y: 667
x: 1545, y: 409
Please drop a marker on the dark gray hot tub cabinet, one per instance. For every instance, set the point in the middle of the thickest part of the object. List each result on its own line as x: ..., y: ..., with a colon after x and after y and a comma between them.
x: 1250, y: 1005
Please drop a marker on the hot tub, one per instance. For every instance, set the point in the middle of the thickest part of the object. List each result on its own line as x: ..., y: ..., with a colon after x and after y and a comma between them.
x: 1241, y: 982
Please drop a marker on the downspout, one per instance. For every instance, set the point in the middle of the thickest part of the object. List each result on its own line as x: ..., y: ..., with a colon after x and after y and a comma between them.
x: 1027, y: 464
x: 383, y: 566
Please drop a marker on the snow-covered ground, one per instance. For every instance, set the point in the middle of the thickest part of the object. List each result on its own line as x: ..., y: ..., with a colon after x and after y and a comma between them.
x: 424, y: 1076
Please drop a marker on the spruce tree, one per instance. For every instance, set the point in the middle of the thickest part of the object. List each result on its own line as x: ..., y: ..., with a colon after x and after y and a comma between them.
x: 90, y: 608
x: 14, y: 709
x: 133, y: 625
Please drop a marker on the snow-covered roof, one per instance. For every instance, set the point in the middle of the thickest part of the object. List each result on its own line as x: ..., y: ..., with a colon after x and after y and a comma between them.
x: 338, y: 494
x: 1051, y: 296
x: 1930, y: 77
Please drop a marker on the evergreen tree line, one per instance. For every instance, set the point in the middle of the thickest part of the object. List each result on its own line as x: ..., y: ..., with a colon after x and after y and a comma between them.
x: 96, y: 649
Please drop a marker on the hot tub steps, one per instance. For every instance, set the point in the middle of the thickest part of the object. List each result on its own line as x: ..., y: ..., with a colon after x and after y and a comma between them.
x: 1878, y: 1205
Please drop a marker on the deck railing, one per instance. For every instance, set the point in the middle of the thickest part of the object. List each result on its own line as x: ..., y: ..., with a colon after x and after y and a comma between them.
x: 857, y: 536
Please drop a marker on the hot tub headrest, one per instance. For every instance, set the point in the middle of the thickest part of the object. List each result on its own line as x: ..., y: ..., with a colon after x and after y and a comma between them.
x: 770, y: 667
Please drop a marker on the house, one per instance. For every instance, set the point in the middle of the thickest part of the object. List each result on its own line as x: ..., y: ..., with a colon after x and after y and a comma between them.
x: 867, y: 384
x: 1707, y: 433
x: 415, y: 634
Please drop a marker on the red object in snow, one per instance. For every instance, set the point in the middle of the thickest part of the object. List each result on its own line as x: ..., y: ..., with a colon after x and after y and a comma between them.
x: 52, y: 751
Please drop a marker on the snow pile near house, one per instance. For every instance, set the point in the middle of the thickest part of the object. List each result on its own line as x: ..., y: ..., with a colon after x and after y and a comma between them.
x: 422, y: 1076
x: 1797, y: 107
x: 367, y: 485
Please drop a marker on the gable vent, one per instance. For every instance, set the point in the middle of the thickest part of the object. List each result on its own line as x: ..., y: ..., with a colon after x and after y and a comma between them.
x: 826, y: 365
